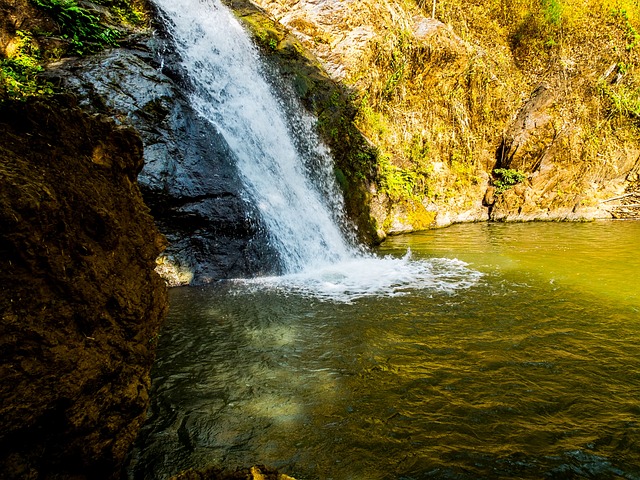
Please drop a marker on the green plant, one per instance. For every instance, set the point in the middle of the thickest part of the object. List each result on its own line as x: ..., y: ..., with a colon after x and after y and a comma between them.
x: 398, y: 65
x: 395, y: 181
x: 372, y: 122
x: 552, y: 11
x: 507, y: 178
x: 418, y: 150
x: 19, y: 74
x: 623, y: 100
x: 267, y: 38
x: 84, y: 30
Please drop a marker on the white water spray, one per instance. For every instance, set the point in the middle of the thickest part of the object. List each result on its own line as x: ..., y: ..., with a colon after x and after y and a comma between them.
x: 231, y: 92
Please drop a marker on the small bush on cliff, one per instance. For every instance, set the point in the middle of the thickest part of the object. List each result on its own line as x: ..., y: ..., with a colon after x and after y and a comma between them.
x: 507, y: 178
x: 396, y: 182
x: 19, y: 74
x: 624, y: 100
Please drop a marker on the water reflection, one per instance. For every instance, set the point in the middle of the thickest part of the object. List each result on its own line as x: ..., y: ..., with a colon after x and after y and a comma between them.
x: 514, y: 377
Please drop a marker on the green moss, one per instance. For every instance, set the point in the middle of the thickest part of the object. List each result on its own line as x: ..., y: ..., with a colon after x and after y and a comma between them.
x: 631, y: 34
x: 410, y: 212
x: 341, y: 179
x: 396, y: 182
x: 623, y: 100
x: 552, y: 11
x: 419, y: 217
x: 19, y: 74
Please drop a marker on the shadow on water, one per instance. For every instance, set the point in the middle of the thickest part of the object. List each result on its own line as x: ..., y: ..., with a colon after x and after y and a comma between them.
x: 514, y: 377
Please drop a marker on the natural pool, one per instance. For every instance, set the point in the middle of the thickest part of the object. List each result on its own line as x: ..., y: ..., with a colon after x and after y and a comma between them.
x: 530, y: 368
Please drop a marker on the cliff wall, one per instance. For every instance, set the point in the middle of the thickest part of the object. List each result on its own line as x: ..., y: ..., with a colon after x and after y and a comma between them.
x: 80, y: 303
x: 189, y: 178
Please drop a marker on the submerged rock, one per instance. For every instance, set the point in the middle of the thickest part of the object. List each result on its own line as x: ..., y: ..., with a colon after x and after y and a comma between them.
x: 258, y: 472
x: 80, y: 303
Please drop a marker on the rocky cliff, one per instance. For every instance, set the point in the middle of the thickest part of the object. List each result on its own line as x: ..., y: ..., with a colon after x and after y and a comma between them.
x: 491, y: 110
x: 189, y: 178
x: 80, y: 303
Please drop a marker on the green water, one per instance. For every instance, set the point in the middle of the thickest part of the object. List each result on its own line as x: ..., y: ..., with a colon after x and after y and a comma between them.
x: 600, y: 258
x: 532, y: 371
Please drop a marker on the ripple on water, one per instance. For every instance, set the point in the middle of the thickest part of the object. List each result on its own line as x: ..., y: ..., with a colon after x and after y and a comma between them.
x: 498, y: 376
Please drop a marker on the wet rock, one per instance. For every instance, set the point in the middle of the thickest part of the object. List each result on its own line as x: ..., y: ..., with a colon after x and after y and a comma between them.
x: 80, y: 303
x: 189, y: 179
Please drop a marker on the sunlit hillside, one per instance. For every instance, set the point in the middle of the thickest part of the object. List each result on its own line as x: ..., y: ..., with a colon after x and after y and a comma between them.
x: 440, y: 99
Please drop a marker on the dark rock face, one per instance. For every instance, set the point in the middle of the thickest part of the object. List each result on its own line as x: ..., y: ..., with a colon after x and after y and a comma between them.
x: 80, y: 304
x: 189, y: 179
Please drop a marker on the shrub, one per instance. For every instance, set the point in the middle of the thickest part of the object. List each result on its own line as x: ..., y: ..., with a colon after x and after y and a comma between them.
x: 19, y: 74
x: 507, y: 178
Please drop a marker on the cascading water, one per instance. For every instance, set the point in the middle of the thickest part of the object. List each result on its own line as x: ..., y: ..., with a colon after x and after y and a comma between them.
x: 231, y: 92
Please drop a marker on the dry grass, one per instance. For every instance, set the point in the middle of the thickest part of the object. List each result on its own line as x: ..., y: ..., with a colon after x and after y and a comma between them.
x: 437, y: 107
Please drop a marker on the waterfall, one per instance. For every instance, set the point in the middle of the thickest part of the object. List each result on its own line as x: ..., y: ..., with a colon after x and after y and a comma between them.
x: 231, y: 92
x: 302, y: 215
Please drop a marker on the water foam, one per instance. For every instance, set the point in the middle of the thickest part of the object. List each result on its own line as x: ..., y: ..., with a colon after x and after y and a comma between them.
x: 367, y: 276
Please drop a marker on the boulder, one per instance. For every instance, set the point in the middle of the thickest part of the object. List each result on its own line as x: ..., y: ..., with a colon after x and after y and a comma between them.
x: 189, y: 178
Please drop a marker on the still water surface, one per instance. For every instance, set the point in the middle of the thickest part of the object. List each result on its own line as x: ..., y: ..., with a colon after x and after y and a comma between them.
x: 530, y: 370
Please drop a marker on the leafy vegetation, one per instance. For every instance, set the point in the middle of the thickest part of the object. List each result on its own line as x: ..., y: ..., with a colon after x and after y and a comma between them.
x: 81, y: 28
x: 19, y: 74
x: 395, y: 181
x: 82, y: 32
x: 624, y: 100
x: 506, y: 178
